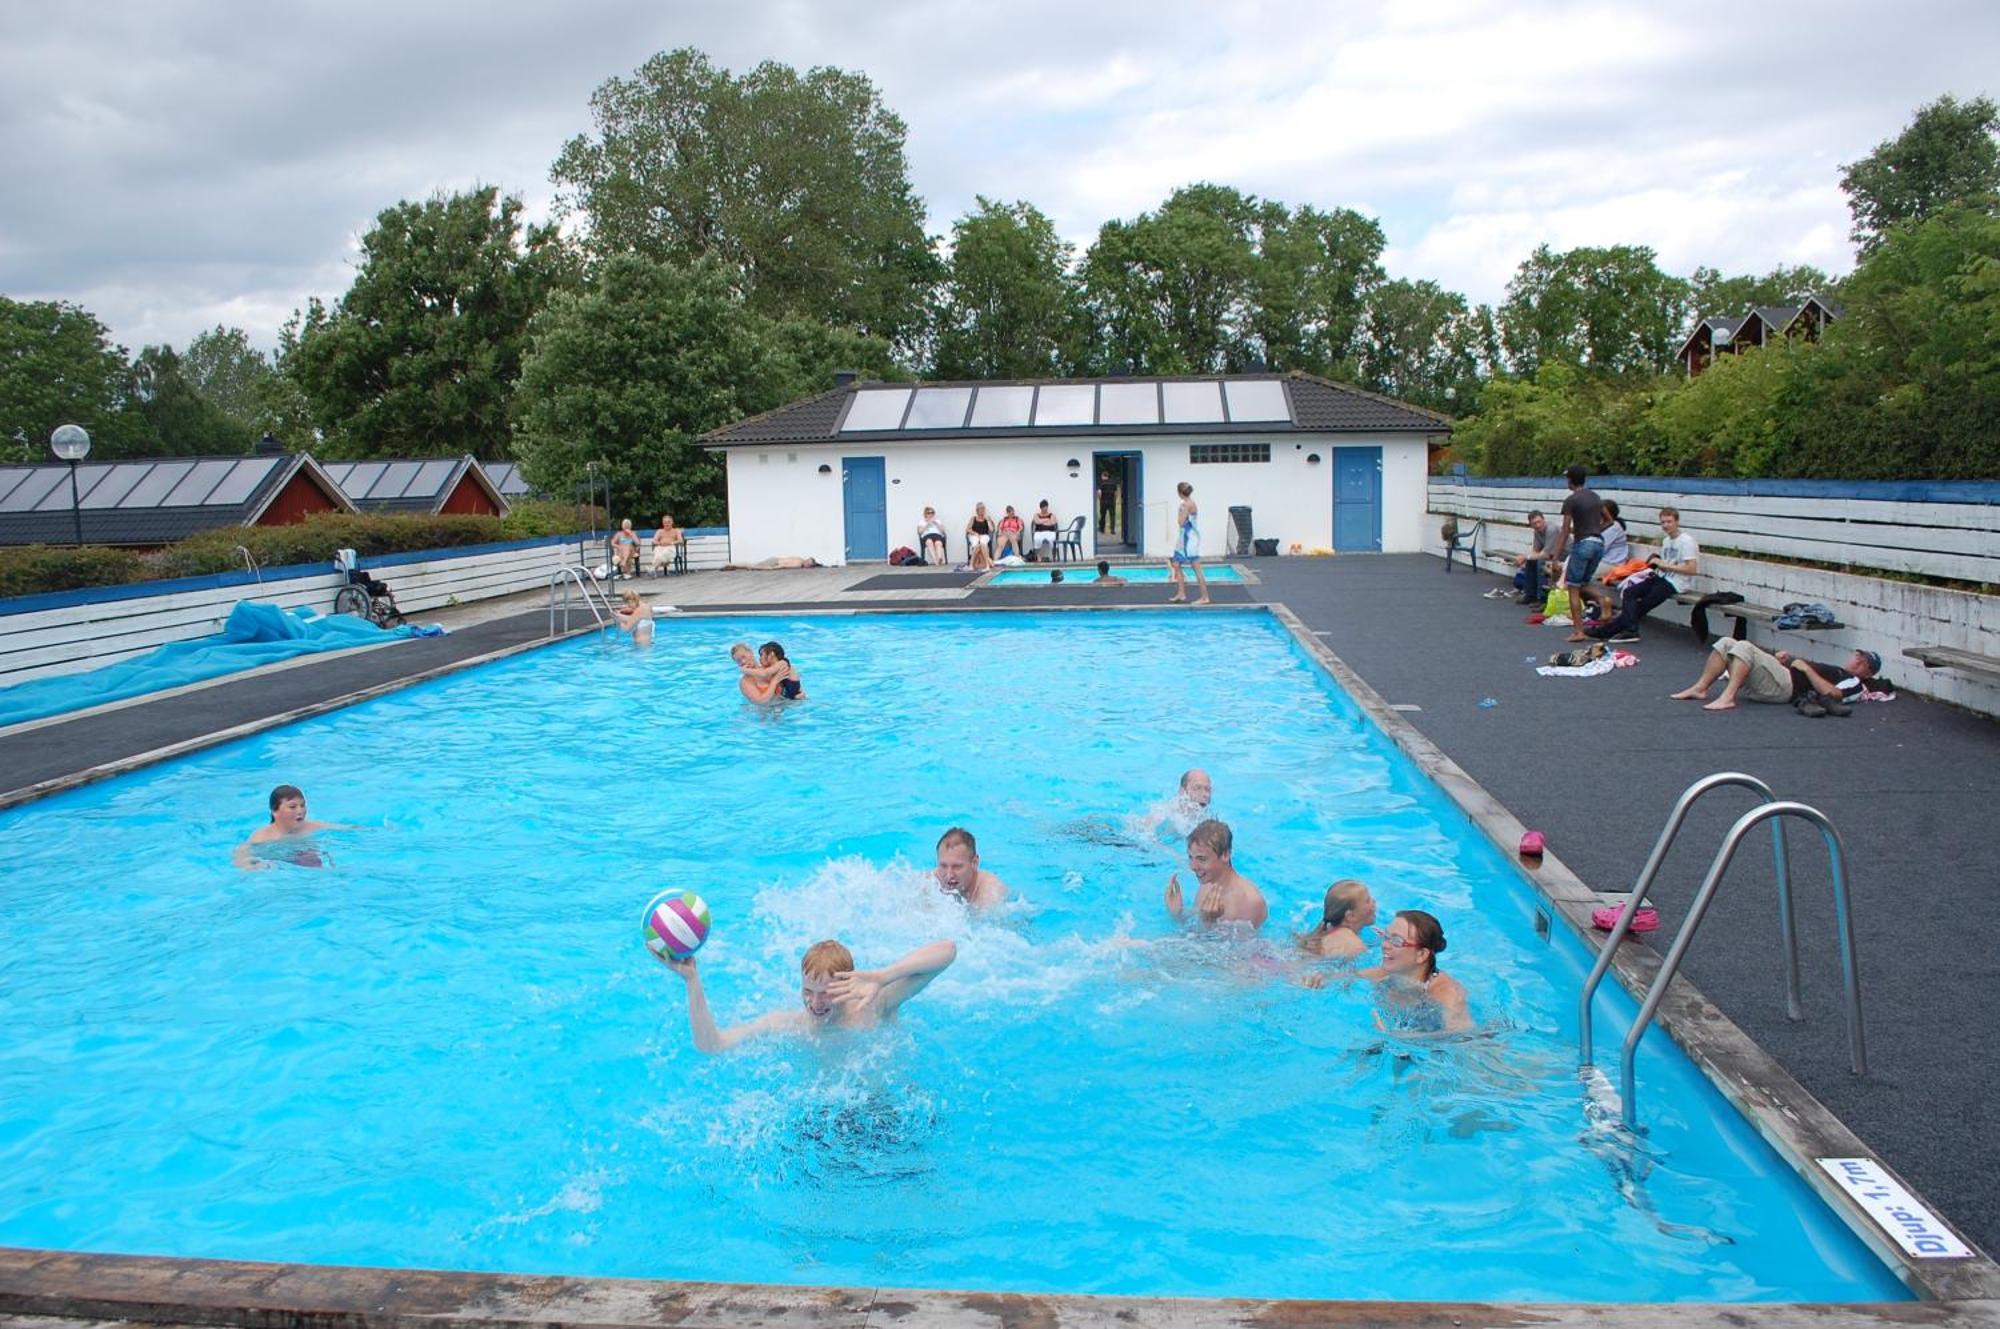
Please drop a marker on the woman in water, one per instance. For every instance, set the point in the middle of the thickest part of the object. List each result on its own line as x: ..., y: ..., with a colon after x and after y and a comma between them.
x: 790, y: 686
x: 635, y: 616
x: 1348, y: 909
x: 930, y: 539
x: 1187, y: 548
x: 1412, y: 995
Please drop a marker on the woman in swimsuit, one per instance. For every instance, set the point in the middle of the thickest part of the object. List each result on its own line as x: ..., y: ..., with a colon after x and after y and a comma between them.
x: 929, y: 534
x: 625, y: 549
x: 1412, y: 996
x: 1010, y: 535
x: 790, y: 686
x: 1348, y: 909
x: 1044, y: 527
x: 1187, y: 548
x: 636, y: 617
x: 979, y: 539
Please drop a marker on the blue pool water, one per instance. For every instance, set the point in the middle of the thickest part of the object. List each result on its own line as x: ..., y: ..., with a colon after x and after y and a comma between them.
x: 450, y: 1048
x: 1222, y: 574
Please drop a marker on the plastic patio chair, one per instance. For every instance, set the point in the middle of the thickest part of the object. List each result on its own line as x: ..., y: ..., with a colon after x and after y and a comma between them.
x: 1069, y: 544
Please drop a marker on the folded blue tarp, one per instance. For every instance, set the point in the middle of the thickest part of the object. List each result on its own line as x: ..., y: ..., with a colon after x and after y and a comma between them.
x: 255, y: 634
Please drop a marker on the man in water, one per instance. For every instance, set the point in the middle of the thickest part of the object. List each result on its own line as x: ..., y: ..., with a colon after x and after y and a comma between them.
x: 1187, y: 808
x: 288, y: 824
x: 1223, y: 895
x: 833, y: 994
x: 1104, y: 577
x: 959, y: 873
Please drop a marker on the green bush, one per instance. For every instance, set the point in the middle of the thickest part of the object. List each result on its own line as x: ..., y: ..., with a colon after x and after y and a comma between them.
x: 38, y: 568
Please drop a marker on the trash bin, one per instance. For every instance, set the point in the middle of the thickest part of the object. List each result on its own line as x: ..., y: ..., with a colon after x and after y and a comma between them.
x: 1239, y: 532
x: 1266, y: 548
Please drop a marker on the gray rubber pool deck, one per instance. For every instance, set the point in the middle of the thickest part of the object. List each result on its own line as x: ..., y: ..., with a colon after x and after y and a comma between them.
x: 1595, y: 763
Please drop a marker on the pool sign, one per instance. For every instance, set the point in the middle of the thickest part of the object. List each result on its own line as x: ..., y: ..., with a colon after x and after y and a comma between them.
x: 1895, y: 1210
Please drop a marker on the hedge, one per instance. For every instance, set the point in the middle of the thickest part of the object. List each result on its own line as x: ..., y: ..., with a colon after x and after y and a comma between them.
x: 33, y: 569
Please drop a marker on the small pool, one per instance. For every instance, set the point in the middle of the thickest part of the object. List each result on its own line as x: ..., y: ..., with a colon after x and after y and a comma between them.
x: 1221, y: 574
x: 449, y: 1049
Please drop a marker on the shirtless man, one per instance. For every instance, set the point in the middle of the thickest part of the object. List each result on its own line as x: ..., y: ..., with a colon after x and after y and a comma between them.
x: 959, y: 873
x: 288, y: 823
x: 833, y: 994
x: 1222, y: 895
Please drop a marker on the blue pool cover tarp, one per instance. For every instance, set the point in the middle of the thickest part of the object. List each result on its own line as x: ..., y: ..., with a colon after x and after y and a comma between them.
x: 255, y: 634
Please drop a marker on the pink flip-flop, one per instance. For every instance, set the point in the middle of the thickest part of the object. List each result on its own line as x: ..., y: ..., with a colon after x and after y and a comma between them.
x: 1605, y: 917
x: 1532, y: 844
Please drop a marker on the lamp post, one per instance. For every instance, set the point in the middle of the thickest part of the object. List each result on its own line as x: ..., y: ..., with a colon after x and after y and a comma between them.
x: 72, y: 444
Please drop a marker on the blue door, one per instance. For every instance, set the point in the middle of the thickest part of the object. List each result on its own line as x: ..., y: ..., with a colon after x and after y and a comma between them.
x: 865, y: 498
x: 1357, y: 498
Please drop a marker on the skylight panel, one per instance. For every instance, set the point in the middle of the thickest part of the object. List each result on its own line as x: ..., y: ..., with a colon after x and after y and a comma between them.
x: 242, y: 481
x: 106, y: 492
x: 157, y: 484
x: 1193, y: 403
x: 939, y: 408
x: 1257, y: 399
x: 194, y: 489
x: 876, y: 408
x: 1128, y: 404
x: 1002, y: 407
x: 1066, y: 404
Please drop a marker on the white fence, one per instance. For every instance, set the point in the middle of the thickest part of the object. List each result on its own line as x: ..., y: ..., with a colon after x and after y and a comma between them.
x: 76, y: 637
x: 1880, y: 614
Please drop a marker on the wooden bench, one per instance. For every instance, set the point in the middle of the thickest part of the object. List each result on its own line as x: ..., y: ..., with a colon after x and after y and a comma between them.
x: 1743, y: 612
x: 1950, y: 657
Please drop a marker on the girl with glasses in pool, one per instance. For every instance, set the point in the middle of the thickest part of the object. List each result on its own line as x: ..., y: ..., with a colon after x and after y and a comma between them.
x: 1412, y: 995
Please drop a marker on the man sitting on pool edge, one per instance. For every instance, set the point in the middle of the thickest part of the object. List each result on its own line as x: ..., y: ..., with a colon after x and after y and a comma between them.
x: 288, y: 823
x: 832, y: 993
x: 1222, y: 894
x: 958, y: 871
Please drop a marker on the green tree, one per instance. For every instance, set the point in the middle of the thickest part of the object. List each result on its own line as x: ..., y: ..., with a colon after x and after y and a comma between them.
x: 58, y: 366
x: 1309, y: 286
x: 1169, y: 289
x: 420, y: 356
x: 1948, y: 154
x: 1610, y: 310
x: 1421, y: 344
x: 1009, y: 306
x: 183, y: 423
x: 1710, y: 292
x: 630, y: 371
x: 796, y: 183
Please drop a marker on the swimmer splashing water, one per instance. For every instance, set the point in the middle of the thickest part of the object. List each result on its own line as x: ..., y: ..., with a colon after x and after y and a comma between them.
x: 833, y: 994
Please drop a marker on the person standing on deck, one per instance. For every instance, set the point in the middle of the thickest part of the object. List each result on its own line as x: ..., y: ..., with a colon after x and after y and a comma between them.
x: 1187, y: 548
x: 1582, y: 536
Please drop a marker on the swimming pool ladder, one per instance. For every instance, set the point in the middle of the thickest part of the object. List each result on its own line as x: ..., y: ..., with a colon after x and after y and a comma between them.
x: 595, y: 597
x: 1775, y: 811
x: 250, y: 565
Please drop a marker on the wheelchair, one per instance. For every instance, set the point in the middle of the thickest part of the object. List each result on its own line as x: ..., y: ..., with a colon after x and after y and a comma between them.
x: 365, y: 597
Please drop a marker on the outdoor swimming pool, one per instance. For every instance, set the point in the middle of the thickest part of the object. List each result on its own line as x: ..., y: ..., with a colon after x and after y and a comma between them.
x: 1220, y: 574
x: 450, y: 1049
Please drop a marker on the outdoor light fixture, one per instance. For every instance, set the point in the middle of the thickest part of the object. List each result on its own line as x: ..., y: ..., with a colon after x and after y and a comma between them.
x: 1312, y: 459
x: 825, y: 469
x: 1074, y: 466
x: 71, y: 443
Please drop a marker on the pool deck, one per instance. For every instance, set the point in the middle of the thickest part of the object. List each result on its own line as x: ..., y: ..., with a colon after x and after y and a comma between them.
x: 1594, y: 763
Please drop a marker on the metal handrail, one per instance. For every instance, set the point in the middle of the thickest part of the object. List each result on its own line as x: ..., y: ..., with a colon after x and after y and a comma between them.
x: 1689, y: 797
x: 1843, y: 918
x: 564, y: 576
x: 250, y: 564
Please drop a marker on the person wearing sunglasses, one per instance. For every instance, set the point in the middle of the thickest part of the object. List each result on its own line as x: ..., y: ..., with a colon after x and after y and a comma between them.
x: 1411, y: 992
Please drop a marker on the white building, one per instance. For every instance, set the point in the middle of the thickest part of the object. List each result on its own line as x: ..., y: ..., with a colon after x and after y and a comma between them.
x: 844, y: 476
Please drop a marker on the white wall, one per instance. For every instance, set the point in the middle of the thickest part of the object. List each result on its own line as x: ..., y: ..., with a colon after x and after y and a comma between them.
x: 780, y: 504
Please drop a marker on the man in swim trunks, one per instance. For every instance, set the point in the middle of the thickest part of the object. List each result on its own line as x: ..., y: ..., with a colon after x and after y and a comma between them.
x: 833, y: 994
x: 1223, y: 895
x: 288, y: 823
x: 959, y: 873
x: 1104, y: 577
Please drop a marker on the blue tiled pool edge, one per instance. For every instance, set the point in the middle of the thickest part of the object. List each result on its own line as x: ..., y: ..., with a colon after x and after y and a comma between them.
x: 165, y: 1290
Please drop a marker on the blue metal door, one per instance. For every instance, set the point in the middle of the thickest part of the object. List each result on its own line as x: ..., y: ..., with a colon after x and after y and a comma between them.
x: 1357, y: 498
x: 865, y: 499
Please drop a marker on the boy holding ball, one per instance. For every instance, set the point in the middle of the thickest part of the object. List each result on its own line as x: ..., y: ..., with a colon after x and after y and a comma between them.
x: 832, y: 994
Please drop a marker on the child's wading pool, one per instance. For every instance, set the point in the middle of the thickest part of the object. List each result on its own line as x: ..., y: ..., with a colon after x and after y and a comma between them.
x: 450, y: 1048
x: 1219, y: 574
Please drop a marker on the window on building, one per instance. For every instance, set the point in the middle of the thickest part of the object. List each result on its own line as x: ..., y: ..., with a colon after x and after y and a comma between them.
x: 1200, y: 454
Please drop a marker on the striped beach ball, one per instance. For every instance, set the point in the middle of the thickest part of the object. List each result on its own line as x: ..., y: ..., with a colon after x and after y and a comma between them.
x: 676, y: 923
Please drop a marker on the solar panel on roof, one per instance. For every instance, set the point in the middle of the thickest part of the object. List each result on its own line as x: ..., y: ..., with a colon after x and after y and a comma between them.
x: 193, y: 491
x: 431, y: 478
x: 33, y: 490
x: 58, y: 499
x: 939, y: 408
x: 395, y: 480
x: 1128, y: 404
x: 106, y: 492
x: 876, y: 408
x: 1066, y: 404
x: 157, y: 484
x: 361, y: 477
x: 242, y: 481
x: 1192, y: 403
x: 10, y: 479
x: 998, y: 408
x: 1257, y: 399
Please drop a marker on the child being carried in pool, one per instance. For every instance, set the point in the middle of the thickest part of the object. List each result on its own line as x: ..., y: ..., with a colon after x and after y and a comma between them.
x: 768, y: 675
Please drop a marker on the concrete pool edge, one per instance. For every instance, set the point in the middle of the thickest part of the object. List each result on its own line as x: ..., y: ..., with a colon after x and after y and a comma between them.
x: 79, y: 1286
x: 1789, y: 1118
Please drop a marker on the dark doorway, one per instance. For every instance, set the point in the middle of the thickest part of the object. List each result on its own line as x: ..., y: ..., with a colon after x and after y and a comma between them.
x: 1120, y: 502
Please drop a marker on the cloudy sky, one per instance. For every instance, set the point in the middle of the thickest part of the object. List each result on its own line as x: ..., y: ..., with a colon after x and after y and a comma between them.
x: 175, y: 166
